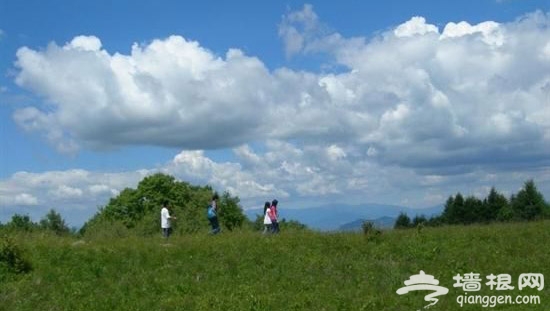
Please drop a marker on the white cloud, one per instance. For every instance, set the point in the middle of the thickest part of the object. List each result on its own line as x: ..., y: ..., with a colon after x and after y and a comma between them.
x: 297, y: 27
x: 491, y: 32
x: 76, y: 194
x: 171, y: 88
x: 84, y: 43
x: 415, y: 26
x: 25, y: 199
x: 335, y: 153
x: 194, y: 166
x: 99, y: 189
x: 65, y: 192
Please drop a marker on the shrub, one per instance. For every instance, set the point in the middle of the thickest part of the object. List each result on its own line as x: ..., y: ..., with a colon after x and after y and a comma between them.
x: 11, y: 257
x: 370, y: 231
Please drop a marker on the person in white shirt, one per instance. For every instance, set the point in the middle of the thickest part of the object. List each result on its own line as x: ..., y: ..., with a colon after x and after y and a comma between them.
x: 267, y: 219
x: 165, y: 220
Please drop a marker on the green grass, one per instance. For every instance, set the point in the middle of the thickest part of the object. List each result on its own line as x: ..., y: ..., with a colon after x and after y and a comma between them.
x: 291, y: 271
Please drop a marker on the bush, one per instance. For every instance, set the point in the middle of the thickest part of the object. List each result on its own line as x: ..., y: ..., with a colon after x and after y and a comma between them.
x: 370, y: 231
x: 105, y: 230
x: 11, y: 257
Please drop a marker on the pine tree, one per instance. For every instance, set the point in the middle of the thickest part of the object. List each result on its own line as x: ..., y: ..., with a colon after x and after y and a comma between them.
x: 402, y: 222
x: 529, y: 203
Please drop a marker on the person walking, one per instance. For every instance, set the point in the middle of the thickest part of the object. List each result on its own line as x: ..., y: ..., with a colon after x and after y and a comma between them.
x: 274, y: 217
x: 165, y: 220
x: 212, y: 214
x: 267, y: 218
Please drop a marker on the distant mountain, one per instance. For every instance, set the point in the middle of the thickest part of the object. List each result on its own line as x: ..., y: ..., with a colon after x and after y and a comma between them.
x: 333, y: 216
x: 356, y: 225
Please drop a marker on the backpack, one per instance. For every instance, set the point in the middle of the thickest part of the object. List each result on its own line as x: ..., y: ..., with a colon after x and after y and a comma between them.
x: 210, y: 212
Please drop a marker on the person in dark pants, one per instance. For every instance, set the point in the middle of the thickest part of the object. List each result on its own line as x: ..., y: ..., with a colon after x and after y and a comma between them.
x: 212, y: 214
x: 165, y: 220
x: 274, y: 217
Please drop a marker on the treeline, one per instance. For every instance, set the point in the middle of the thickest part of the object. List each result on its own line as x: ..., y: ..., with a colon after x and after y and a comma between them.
x: 137, y: 212
x: 52, y: 222
x: 528, y: 204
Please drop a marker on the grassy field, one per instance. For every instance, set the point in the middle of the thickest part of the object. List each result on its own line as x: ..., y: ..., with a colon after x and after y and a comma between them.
x: 291, y: 271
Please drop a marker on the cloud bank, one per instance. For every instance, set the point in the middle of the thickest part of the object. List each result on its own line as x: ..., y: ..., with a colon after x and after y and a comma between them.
x: 433, y: 106
x: 414, y: 96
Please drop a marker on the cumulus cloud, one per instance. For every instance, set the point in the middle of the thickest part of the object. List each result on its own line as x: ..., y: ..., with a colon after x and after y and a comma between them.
x: 415, y: 26
x: 428, y: 99
x: 430, y: 105
x: 171, y: 92
x: 413, y: 96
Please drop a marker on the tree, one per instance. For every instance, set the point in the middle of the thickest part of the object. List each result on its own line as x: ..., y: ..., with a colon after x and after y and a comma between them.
x: 21, y: 222
x: 472, y: 211
x: 418, y: 220
x: 435, y: 221
x: 54, y: 222
x: 529, y: 203
x: 402, y: 222
x: 454, y: 212
x: 492, y: 205
x: 231, y: 215
x: 138, y: 209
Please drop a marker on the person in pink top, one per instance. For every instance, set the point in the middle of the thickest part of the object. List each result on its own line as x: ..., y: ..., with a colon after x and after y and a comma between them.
x: 274, y: 217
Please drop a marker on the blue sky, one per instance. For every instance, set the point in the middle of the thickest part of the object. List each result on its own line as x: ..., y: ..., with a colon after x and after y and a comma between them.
x: 395, y: 102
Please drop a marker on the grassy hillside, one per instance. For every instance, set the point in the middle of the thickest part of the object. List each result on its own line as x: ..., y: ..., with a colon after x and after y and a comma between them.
x: 291, y: 271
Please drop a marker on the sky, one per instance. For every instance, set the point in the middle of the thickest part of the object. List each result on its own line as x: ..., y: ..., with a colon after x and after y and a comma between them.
x: 313, y: 103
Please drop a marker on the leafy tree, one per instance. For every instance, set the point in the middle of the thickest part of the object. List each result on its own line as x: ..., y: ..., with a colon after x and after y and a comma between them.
x: 54, y: 222
x: 138, y: 209
x: 231, y: 215
x: 529, y: 203
x: 21, y: 222
x: 402, y: 222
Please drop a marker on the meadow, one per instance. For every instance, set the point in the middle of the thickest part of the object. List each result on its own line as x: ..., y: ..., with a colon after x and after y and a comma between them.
x: 295, y: 270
